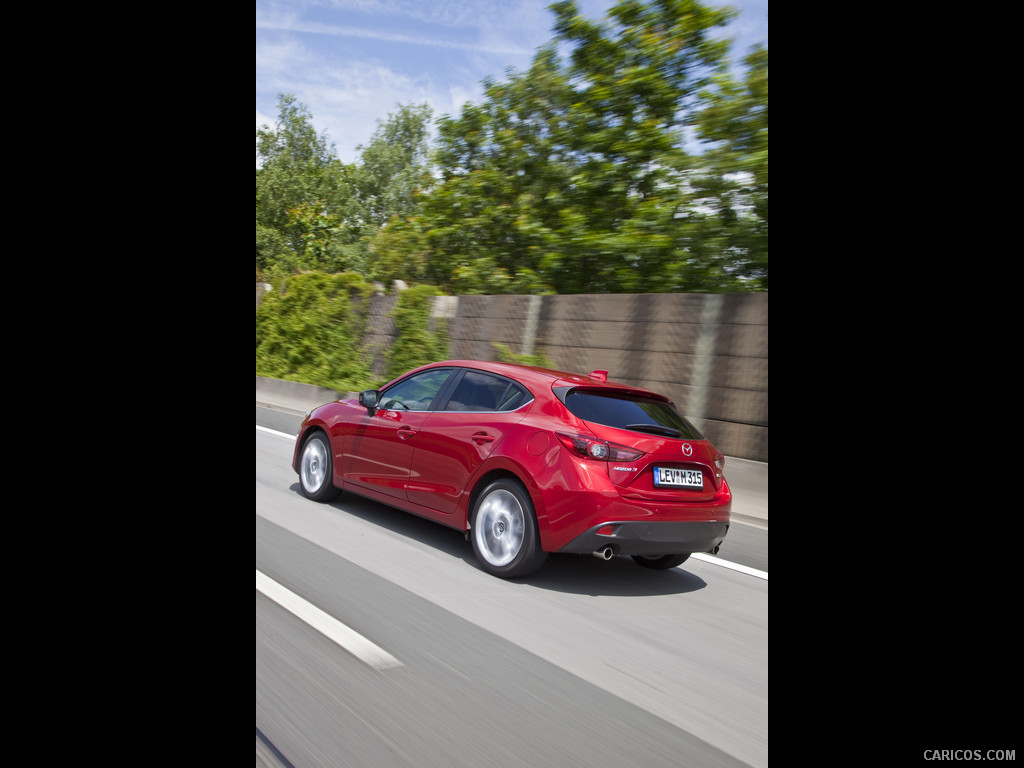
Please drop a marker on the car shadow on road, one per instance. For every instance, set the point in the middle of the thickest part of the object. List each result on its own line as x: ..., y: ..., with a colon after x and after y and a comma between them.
x: 618, y: 577
x: 571, y: 574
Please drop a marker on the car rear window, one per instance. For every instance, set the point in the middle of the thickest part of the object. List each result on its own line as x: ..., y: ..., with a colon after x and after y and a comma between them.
x: 625, y: 411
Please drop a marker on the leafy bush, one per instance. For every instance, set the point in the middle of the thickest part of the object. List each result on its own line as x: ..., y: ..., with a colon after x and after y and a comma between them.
x: 310, y: 328
x: 506, y: 355
x: 416, y: 342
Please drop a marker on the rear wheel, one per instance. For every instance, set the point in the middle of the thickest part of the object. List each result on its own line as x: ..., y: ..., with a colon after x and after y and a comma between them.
x: 504, y: 534
x: 661, y: 563
x: 316, y: 473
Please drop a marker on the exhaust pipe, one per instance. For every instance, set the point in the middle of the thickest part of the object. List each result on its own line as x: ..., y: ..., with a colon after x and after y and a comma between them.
x: 607, y: 553
x: 714, y: 550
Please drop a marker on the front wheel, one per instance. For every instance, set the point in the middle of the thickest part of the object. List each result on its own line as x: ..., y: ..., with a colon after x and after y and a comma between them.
x: 316, y: 475
x: 504, y: 535
x: 661, y: 563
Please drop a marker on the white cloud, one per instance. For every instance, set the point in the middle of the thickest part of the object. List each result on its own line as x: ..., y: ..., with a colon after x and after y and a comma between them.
x: 493, y: 45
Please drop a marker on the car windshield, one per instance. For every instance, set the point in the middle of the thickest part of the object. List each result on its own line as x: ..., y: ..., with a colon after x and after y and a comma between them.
x: 626, y: 411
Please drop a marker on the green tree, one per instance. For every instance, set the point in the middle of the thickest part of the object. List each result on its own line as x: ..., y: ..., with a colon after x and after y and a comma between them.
x: 572, y: 177
x: 394, y: 167
x: 419, y: 339
x: 393, y: 172
x: 315, y: 213
x: 639, y: 79
x: 502, y: 165
x: 399, y: 251
x: 735, y: 121
x: 298, y: 180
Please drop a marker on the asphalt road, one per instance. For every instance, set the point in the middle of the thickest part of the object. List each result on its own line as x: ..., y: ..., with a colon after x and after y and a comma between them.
x: 585, y: 663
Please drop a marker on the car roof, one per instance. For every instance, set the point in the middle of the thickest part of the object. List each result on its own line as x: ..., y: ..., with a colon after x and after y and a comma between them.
x: 546, y: 378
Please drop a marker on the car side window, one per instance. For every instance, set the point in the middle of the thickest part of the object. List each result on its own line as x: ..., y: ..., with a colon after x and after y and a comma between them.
x: 483, y: 392
x: 515, y: 397
x: 415, y: 393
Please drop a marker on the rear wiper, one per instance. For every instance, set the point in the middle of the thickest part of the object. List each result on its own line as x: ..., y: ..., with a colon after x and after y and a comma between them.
x: 656, y: 429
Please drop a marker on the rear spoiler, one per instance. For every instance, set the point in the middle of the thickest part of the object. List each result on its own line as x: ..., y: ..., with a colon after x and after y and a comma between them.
x: 563, y: 392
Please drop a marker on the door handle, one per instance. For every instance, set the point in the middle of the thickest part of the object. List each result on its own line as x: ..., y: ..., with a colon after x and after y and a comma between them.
x: 406, y: 433
x: 482, y: 437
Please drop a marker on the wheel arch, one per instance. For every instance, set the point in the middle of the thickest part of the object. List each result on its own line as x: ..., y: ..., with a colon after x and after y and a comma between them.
x: 485, y: 480
x: 497, y: 472
x: 304, y: 437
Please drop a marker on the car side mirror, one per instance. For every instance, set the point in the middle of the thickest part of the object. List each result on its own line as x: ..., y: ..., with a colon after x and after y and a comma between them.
x: 369, y: 398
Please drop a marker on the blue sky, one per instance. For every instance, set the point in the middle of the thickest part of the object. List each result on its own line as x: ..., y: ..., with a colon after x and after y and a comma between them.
x: 351, y: 62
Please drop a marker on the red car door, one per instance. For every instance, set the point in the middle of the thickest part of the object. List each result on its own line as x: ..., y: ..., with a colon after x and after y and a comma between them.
x: 379, y: 449
x: 451, y: 444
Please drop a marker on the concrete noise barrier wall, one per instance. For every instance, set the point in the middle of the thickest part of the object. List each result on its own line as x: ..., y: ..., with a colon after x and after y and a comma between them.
x: 708, y: 352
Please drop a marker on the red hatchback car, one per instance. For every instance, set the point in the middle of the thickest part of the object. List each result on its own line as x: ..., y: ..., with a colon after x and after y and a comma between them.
x: 526, y: 461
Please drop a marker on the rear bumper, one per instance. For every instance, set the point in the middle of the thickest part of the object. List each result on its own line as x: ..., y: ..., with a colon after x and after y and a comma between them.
x: 651, y: 538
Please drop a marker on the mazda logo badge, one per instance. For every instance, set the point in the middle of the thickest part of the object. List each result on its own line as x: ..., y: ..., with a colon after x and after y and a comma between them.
x: 687, y: 449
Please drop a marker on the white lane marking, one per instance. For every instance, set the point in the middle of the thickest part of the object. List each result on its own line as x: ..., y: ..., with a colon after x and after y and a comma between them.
x: 732, y: 566
x: 275, y: 432
x: 346, y: 637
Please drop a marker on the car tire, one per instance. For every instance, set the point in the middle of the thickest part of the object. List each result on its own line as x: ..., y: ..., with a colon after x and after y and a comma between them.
x: 504, y: 530
x: 316, y: 469
x: 661, y: 563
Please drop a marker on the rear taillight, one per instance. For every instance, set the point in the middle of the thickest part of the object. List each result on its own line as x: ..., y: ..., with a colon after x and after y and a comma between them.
x: 598, y: 450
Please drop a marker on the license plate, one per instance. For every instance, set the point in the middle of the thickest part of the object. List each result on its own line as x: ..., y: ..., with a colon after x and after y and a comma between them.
x: 678, y: 478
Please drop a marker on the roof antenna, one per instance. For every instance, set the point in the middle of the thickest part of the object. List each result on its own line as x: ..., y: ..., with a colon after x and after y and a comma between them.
x: 601, y: 376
